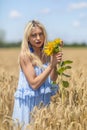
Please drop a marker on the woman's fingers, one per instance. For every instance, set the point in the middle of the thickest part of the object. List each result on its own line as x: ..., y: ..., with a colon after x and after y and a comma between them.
x: 59, y: 56
x: 56, y: 58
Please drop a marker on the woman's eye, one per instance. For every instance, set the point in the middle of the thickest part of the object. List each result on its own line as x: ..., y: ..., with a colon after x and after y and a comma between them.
x: 40, y: 34
x: 34, y: 35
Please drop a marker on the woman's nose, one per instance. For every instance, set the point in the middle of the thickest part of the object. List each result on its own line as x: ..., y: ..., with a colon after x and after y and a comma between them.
x: 38, y: 36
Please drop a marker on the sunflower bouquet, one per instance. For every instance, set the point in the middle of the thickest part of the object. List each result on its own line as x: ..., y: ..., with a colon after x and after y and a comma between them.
x: 53, y: 47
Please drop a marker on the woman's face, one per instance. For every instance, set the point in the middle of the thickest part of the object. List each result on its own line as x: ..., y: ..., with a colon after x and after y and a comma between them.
x: 36, y: 37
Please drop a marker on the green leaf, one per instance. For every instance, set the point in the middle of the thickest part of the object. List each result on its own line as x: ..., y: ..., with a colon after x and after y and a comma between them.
x: 66, y: 75
x: 65, y: 84
x: 68, y: 67
x: 66, y: 62
x: 62, y: 69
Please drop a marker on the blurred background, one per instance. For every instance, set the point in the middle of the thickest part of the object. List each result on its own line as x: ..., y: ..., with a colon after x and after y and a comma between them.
x: 66, y: 19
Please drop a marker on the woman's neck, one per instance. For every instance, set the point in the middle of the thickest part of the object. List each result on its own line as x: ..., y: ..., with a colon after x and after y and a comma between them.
x: 39, y: 54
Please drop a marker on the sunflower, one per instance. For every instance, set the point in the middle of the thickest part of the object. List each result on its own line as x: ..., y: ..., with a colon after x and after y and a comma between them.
x: 52, y: 47
x: 57, y: 41
x: 48, y: 49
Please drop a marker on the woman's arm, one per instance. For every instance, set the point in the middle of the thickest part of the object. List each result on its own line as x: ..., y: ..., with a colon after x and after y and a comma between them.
x: 28, y: 69
x: 53, y: 74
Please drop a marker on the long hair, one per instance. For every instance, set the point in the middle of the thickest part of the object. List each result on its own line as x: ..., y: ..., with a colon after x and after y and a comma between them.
x: 25, y: 43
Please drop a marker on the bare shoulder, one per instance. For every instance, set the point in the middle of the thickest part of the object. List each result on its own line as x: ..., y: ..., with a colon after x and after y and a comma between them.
x: 21, y: 58
x: 24, y: 59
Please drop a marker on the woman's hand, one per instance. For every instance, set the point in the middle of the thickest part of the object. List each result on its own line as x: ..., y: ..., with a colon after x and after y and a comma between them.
x: 56, y: 58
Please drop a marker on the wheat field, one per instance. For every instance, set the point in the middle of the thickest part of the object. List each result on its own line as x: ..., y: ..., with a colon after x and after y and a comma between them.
x: 71, y: 115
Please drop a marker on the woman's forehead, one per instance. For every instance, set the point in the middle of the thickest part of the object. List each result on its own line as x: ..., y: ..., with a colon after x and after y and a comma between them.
x: 36, y: 29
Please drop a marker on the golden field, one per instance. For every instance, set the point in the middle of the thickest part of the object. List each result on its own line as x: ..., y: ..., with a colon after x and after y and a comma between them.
x: 9, y: 58
x: 72, y: 115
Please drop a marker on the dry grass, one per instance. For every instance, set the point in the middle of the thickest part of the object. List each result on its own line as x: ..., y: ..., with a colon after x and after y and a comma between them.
x: 72, y: 115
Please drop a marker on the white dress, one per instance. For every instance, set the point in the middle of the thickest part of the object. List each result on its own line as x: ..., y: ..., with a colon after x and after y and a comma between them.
x: 26, y: 98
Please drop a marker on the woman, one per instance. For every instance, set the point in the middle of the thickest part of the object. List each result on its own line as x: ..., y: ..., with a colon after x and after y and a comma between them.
x: 37, y: 71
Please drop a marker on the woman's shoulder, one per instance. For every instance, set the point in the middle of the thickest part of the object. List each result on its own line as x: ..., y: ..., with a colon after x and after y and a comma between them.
x: 21, y: 59
x: 21, y: 56
x: 24, y: 58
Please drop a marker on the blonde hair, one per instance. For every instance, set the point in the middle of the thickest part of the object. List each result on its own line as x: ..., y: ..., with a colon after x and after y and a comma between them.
x: 25, y: 45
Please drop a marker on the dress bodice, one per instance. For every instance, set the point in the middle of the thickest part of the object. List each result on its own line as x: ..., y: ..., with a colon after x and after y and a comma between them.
x: 24, y: 88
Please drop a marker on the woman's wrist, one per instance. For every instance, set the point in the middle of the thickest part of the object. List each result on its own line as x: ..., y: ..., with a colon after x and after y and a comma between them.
x: 54, y: 73
x: 55, y: 67
x: 51, y: 66
x: 55, y: 70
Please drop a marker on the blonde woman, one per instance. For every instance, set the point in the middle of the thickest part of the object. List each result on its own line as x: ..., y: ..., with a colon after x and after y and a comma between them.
x: 37, y: 71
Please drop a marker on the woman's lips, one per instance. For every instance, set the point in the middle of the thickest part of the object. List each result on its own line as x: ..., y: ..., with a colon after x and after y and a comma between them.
x: 38, y: 42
